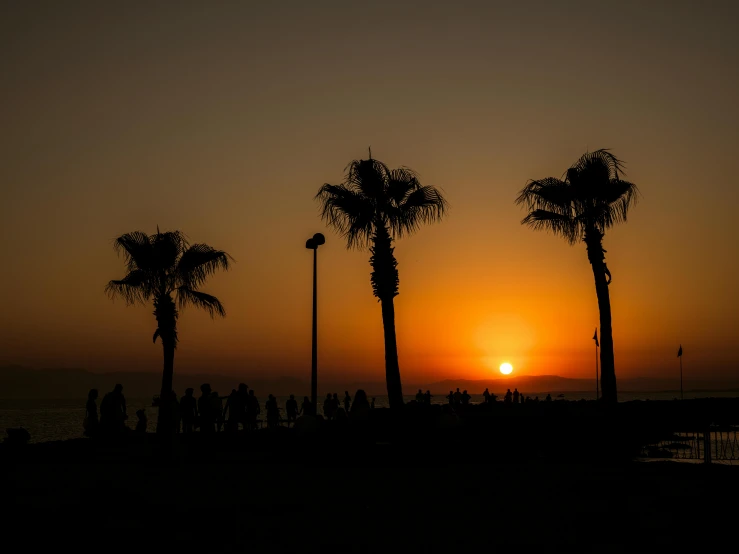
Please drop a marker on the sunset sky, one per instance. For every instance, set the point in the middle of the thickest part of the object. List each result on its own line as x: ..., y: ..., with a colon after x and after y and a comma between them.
x: 223, y: 119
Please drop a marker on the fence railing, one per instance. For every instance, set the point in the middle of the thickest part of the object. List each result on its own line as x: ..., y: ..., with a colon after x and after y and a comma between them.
x: 715, y: 443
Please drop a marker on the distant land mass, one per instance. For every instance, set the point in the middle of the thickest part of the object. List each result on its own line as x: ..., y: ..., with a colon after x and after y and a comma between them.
x: 21, y: 382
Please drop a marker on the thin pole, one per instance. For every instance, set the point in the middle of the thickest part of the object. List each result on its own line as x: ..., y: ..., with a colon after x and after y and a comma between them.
x: 597, y: 388
x: 681, y: 378
x: 314, y: 361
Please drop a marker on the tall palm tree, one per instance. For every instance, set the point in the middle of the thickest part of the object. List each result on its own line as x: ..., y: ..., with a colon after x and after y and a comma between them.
x: 590, y: 198
x: 372, y: 207
x: 164, y: 267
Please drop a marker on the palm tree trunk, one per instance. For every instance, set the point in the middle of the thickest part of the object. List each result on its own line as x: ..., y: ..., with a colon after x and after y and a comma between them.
x: 385, y: 287
x: 594, y: 242
x: 392, y: 368
x: 166, y: 314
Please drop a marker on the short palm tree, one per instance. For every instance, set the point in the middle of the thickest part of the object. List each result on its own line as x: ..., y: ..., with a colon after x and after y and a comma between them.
x: 372, y: 207
x: 165, y: 268
x: 590, y: 198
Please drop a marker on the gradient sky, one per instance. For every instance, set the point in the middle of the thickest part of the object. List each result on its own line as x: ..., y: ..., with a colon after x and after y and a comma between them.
x: 223, y: 119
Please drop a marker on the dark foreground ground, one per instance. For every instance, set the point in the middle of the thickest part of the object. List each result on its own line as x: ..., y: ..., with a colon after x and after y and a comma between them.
x: 338, y: 496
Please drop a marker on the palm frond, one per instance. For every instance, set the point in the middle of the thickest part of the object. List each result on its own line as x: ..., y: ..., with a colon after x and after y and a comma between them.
x: 198, y: 262
x: 558, y: 223
x: 401, y: 182
x: 167, y: 248
x: 602, y: 157
x: 369, y: 176
x: 424, y: 205
x: 134, y: 287
x: 348, y: 211
x: 136, y: 248
x: 211, y: 304
x: 549, y: 194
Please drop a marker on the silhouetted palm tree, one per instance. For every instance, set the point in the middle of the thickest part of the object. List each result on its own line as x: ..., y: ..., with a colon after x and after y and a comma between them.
x: 373, y: 206
x: 164, y: 267
x: 590, y: 198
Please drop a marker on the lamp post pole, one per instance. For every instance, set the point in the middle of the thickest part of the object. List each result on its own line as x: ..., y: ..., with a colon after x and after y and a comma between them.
x: 313, y: 244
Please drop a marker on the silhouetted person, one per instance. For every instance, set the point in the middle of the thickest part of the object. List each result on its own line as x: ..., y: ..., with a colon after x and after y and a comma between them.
x: 360, y: 407
x: 372, y: 404
x: 291, y: 410
x: 273, y: 411
x: 486, y: 395
x: 307, y: 407
x: 457, y: 397
x: 244, y: 406
x: 176, y: 412
x: 465, y: 398
x: 253, y: 409
x: 233, y: 409
x: 516, y: 394
x: 427, y: 397
x: 508, y: 397
x: 549, y: 398
x: 141, y: 423
x: 91, y: 422
x: 347, y: 401
x: 113, y: 414
x: 188, y: 410
x: 419, y: 396
x: 328, y: 407
x: 205, y: 408
x: 335, y: 402
x: 450, y: 397
x: 217, y: 407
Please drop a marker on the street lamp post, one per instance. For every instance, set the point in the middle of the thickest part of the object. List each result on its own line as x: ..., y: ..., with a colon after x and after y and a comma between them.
x: 313, y: 244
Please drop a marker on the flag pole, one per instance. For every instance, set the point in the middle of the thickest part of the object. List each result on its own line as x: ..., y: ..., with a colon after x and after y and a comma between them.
x: 597, y: 385
x: 680, y: 357
x: 597, y: 344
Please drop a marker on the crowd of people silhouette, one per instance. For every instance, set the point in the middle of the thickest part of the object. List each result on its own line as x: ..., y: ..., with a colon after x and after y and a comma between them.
x: 208, y: 413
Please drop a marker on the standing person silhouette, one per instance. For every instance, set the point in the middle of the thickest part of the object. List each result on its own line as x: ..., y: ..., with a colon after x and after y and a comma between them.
x: 243, y: 406
x: 516, y: 395
x: 486, y: 395
x: 307, y: 407
x: 217, y: 408
x: 347, y: 401
x: 457, y: 397
x: 508, y: 398
x: 450, y: 397
x: 291, y: 410
x: 427, y: 397
x: 233, y: 408
x: 253, y: 409
x: 273, y: 411
x: 188, y: 410
x: 419, y: 396
x: 328, y: 407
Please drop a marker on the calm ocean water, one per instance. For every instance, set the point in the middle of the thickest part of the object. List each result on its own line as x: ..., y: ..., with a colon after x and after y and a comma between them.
x: 49, y: 420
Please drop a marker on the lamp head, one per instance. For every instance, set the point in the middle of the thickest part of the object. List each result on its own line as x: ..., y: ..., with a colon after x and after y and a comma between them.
x: 319, y: 239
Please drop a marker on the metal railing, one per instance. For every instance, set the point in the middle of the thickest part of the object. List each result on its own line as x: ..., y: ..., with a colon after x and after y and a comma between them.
x: 716, y: 443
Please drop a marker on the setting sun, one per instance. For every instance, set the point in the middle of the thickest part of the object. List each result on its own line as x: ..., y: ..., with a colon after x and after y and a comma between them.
x: 506, y: 368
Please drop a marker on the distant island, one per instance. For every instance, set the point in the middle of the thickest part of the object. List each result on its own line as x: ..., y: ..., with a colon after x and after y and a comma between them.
x: 22, y: 382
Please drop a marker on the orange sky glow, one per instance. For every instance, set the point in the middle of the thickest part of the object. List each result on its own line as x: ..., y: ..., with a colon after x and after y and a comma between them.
x: 224, y: 121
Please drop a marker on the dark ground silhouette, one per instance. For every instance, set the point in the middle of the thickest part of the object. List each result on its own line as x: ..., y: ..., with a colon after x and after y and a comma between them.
x: 353, y: 498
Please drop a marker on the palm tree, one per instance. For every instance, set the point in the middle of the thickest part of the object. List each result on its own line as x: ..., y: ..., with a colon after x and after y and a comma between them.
x: 590, y: 198
x: 165, y: 268
x: 372, y: 207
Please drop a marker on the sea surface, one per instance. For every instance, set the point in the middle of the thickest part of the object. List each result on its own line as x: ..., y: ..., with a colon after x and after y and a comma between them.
x: 52, y: 420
